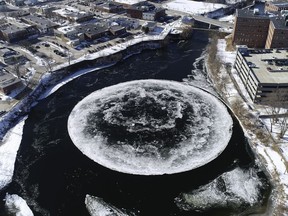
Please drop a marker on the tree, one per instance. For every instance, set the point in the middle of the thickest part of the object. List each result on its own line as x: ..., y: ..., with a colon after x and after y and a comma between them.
x: 276, y: 106
x: 145, y: 29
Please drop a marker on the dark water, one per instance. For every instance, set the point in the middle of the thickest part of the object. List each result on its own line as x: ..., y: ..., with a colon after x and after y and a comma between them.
x: 53, y: 176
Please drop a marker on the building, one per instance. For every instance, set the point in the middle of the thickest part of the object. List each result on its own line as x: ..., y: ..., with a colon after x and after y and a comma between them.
x: 276, y: 6
x: 13, y: 31
x: 145, y: 11
x: 258, y: 30
x: 16, y: 2
x: 108, y: 7
x: 250, y: 28
x: 128, y: 3
x: 44, y: 25
x: 262, y: 71
x: 126, y: 22
x: 117, y: 30
x: 8, y: 82
x: 92, y: 31
x: 277, y: 34
x: 69, y: 35
x: 73, y: 14
x: 9, y: 56
x: 74, y: 35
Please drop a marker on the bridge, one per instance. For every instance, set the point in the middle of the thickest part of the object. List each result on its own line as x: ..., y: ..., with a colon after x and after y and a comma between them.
x: 213, y: 22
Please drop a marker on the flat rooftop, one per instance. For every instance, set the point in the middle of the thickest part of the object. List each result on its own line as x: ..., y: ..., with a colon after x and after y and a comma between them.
x: 269, y: 65
x: 248, y: 13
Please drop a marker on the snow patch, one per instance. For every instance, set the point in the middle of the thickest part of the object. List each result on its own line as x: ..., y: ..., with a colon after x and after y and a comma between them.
x: 236, y: 188
x: 98, y: 207
x: 192, y: 7
x: 15, y: 205
x: 8, y: 152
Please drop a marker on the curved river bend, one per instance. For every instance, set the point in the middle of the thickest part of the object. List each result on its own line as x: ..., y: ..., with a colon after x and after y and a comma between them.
x: 53, y: 176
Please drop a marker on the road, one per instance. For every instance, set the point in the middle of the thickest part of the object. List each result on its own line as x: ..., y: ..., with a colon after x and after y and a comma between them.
x: 213, y: 22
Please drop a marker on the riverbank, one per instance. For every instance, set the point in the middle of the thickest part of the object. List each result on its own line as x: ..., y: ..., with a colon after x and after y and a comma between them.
x: 89, y: 62
x: 224, y: 79
x: 12, y: 123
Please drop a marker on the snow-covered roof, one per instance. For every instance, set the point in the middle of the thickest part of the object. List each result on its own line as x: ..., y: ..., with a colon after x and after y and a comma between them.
x: 192, y: 7
x: 129, y: 2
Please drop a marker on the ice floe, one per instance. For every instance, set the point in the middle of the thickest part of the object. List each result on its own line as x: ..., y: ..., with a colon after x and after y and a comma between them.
x: 150, y: 127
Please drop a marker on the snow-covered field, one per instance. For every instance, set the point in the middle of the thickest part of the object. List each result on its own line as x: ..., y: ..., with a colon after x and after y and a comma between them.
x: 192, y: 7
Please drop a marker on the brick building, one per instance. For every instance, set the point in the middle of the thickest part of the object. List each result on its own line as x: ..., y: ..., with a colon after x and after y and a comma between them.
x: 277, y: 34
x: 260, y: 30
x: 250, y: 28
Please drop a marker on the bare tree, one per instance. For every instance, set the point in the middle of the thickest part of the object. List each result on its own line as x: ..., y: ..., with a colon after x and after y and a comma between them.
x: 283, y: 125
x: 276, y: 106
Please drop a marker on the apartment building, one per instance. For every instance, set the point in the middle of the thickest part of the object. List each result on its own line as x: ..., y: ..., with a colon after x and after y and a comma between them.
x: 262, y: 71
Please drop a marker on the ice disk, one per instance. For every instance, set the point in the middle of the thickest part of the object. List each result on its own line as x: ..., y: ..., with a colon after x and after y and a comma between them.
x: 150, y: 127
x: 98, y: 207
x: 237, y: 188
x: 15, y: 205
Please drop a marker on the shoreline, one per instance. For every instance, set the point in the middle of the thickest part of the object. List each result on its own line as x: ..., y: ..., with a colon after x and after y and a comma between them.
x: 99, y: 61
x: 50, y: 89
x: 13, y: 122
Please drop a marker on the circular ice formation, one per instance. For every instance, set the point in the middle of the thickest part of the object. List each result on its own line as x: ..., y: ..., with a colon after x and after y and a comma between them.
x: 150, y: 127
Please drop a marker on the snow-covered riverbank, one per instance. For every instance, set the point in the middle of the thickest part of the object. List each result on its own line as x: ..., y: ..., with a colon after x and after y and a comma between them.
x: 269, y: 158
x: 12, y: 138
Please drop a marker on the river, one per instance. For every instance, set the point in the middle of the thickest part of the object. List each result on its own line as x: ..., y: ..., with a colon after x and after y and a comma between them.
x: 53, y: 176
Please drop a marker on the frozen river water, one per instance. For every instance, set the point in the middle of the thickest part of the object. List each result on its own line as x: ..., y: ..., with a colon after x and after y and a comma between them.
x: 54, y: 177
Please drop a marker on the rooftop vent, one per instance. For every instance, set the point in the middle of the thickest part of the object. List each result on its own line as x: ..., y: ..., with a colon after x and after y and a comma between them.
x: 256, y: 11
